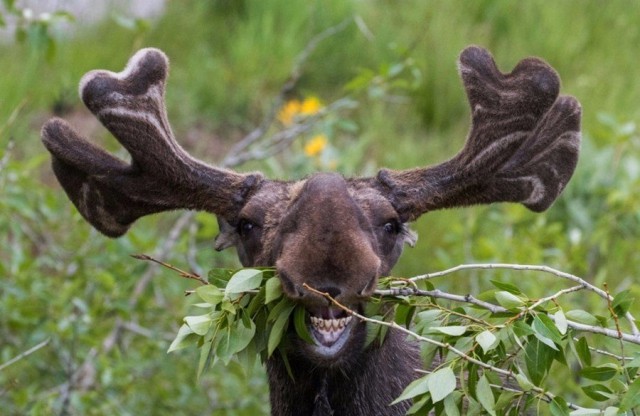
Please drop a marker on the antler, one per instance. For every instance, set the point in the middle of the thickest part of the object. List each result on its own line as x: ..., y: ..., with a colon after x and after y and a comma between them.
x: 110, y: 193
x: 523, y: 144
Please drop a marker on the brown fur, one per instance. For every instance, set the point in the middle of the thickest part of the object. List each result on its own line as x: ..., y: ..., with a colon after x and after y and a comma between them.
x: 335, y: 234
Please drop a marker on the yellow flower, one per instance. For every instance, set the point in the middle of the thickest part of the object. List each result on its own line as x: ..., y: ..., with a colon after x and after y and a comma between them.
x: 315, y: 145
x: 310, y: 106
x: 295, y: 108
x: 289, y: 111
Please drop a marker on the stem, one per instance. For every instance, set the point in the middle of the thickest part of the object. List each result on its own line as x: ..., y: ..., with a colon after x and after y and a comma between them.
x: 182, y: 273
x: 25, y: 354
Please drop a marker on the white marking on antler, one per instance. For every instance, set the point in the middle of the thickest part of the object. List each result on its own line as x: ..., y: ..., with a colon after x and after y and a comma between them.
x: 132, y: 65
x: 538, y: 192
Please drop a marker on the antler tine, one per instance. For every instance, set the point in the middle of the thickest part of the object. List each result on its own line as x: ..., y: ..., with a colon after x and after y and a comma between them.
x: 522, y: 147
x: 111, y: 193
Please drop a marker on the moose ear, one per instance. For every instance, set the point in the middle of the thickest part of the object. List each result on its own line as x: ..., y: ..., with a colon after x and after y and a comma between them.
x: 523, y: 145
x: 110, y: 193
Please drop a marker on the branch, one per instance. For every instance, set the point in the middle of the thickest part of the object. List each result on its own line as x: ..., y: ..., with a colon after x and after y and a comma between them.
x: 7, y: 154
x: 493, y: 308
x: 25, y: 354
x: 448, y: 347
x: 545, y: 269
x: 439, y: 294
x: 182, y: 273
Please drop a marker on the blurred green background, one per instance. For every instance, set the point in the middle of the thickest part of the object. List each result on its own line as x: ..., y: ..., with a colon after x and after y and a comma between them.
x: 396, y: 60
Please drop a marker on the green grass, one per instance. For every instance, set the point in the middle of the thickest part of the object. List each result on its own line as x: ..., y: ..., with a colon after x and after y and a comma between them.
x: 61, y: 280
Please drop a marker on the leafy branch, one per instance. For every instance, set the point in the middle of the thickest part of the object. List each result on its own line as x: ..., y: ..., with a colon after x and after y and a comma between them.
x: 503, y: 359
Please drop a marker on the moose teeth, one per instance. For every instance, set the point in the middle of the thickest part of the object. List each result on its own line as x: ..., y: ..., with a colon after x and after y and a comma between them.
x: 330, y: 324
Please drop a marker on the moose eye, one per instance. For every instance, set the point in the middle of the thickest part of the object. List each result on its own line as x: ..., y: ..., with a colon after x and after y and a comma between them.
x: 245, y: 227
x: 391, y: 227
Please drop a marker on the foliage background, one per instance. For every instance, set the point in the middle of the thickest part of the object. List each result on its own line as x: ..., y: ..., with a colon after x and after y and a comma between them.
x: 62, y: 281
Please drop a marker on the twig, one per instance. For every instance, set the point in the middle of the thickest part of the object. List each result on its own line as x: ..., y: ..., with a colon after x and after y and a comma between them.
x: 620, y: 334
x: 439, y: 294
x: 606, y: 353
x: 13, y: 117
x: 181, y: 223
x: 25, y: 354
x: 7, y: 154
x: 182, y: 273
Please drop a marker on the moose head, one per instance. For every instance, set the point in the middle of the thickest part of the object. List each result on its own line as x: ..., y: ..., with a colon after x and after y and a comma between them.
x: 336, y: 234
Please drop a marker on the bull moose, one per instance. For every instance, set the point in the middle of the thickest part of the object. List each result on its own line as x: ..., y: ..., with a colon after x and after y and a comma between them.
x: 336, y: 234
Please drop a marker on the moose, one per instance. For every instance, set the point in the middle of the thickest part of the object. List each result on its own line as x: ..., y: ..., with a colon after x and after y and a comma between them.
x: 332, y: 233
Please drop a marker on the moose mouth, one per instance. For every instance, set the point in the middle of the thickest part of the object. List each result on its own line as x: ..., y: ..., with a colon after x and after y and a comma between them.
x: 330, y: 329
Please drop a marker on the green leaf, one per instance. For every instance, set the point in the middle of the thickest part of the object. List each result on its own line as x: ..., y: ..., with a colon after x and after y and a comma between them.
x: 183, y: 339
x: 506, y: 287
x: 243, y: 280
x: 582, y: 348
x: 220, y: 277
x: 300, y: 324
x: 278, y: 329
x: 611, y: 411
x: 522, y: 329
x: 487, y: 340
x: 544, y: 325
x: 257, y: 302
x: 441, y: 383
x: 545, y: 331
x: 424, y: 405
x: 538, y: 359
x: 524, y: 382
x: 505, y: 401
x: 622, y: 302
x: 560, y: 321
x: 472, y: 379
x: 508, y: 300
x: 205, y: 357
x: 631, y: 398
x: 453, y: 330
x: 451, y: 404
x: 582, y: 317
x: 428, y: 315
x: 404, y: 315
x: 244, y: 332
x: 199, y: 324
x: 485, y: 395
x: 598, y: 392
x: 210, y: 294
x: 558, y: 407
x: 373, y: 331
x: 282, y: 306
x: 634, y: 363
x: 602, y: 372
x: 273, y: 289
x: 425, y: 319
x: 415, y: 388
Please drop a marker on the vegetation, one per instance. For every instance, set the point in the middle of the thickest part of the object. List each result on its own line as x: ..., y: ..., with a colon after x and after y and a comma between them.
x: 101, y: 321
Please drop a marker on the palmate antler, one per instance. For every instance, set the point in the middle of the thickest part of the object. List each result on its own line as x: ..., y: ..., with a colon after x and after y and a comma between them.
x: 523, y: 145
x: 110, y: 193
